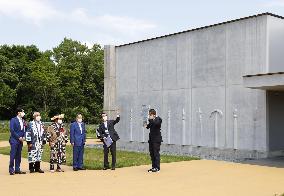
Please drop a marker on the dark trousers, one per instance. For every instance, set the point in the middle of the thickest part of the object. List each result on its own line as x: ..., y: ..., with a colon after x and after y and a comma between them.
x: 15, y: 157
x: 34, y: 167
x: 154, y: 149
x: 78, y: 154
x: 112, y: 150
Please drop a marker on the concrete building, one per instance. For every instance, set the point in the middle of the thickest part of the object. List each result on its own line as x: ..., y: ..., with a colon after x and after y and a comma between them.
x: 217, y: 88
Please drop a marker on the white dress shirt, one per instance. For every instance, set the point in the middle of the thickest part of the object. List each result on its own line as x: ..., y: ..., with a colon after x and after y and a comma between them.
x: 21, y: 122
x: 80, y: 126
x: 106, y: 131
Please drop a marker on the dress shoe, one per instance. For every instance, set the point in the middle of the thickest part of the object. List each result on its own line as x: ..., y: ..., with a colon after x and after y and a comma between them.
x: 20, y: 172
x: 59, y: 170
x: 12, y: 174
x: 81, y: 168
x: 75, y: 169
x: 40, y: 171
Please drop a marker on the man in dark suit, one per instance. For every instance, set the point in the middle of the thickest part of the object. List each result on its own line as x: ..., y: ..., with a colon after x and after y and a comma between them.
x: 109, y: 137
x: 155, y: 139
x: 17, y: 130
x: 78, y: 140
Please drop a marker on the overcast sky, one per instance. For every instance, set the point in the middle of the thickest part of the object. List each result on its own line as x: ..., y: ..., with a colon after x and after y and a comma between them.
x: 46, y: 22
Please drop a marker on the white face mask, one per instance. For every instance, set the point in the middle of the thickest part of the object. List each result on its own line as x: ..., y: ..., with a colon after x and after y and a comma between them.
x: 59, y: 121
x: 79, y: 120
x: 105, y: 118
x: 38, y: 118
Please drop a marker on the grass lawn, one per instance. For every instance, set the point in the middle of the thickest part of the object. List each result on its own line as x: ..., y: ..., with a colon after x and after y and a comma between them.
x: 91, y: 136
x: 4, y: 136
x: 93, y: 158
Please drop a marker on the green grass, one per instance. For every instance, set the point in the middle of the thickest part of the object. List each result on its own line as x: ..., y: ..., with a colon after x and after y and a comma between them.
x: 91, y: 136
x: 93, y: 158
x: 4, y: 136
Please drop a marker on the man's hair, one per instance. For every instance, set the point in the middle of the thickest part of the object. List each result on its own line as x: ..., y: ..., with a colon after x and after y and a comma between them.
x: 103, y: 114
x: 36, y: 113
x: 19, y: 110
x: 152, y: 112
x: 79, y: 114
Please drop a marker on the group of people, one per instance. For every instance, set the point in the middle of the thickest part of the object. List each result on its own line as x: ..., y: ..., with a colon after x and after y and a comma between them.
x: 56, y: 136
x: 36, y: 136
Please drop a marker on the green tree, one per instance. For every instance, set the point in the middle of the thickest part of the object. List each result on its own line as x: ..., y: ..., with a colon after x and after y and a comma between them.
x: 67, y: 79
x: 81, y: 74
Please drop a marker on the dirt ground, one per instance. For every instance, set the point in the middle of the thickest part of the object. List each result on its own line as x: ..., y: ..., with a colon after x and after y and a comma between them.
x: 195, y: 178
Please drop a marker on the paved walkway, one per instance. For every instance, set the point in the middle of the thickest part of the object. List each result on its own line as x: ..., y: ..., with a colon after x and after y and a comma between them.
x: 193, y: 178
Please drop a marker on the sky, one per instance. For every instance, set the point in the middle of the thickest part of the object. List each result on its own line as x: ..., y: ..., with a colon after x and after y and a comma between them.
x: 45, y: 23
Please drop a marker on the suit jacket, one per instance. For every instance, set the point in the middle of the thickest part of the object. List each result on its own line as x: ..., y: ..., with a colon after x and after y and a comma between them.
x: 75, y: 134
x: 155, y: 130
x: 110, y: 127
x: 16, y: 131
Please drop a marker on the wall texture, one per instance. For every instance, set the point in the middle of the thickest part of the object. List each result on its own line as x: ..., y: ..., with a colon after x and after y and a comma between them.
x: 194, y: 80
x: 276, y: 44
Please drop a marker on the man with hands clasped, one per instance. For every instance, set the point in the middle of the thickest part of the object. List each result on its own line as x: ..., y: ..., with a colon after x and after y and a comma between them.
x: 155, y: 139
x: 78, y: 140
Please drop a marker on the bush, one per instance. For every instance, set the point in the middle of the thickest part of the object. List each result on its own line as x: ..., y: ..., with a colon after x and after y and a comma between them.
x: 4, y: 127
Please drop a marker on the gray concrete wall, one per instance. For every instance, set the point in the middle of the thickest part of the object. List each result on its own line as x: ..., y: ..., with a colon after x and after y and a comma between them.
x: 109, y: 81
x: 276, y: 44
x: 188, y: 76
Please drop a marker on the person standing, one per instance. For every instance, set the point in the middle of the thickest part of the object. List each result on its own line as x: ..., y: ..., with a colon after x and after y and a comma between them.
x: 78, y: 140
x: 109, y: 137
x: 17, y: 130
x: 57, y: 137
x: 155, y: 139
x: 35, y: 138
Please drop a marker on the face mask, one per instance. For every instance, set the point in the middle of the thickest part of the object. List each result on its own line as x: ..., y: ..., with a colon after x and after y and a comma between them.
x: 22, y: 114
x: 79, y: 120
x: 59, y: 121
x: 38, y: 118
x: 105, y: 118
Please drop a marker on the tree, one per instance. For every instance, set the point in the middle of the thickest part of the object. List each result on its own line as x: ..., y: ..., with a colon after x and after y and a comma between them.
x: 67, y: 79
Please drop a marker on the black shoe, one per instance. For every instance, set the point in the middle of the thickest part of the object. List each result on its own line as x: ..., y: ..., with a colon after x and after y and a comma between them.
x: 75, y: 169
x: 150, y: 170
x: 12, y: 174
x: 113, y: 168
x: 81, y: 168
x: 20, y: 172
x: 40, y: 171
x: 32, y: 171
x: 105, y: 168
x: 52, y: 168
x: 155, y: 170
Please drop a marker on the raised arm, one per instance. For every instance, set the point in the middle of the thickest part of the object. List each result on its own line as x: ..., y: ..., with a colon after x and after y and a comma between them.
x: 116, y: 120
x: 154, y: 122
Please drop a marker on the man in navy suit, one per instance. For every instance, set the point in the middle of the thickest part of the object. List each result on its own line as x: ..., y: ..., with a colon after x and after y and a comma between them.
x: 17, y: 129
x: 78, y: 139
